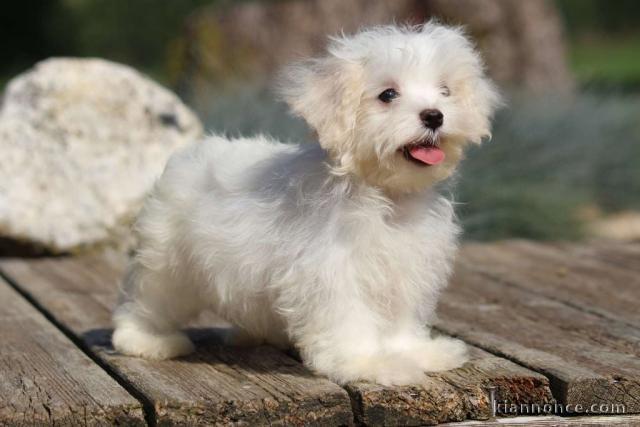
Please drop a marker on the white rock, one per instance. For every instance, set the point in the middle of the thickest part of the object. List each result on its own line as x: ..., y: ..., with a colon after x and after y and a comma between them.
x: 81, y: 142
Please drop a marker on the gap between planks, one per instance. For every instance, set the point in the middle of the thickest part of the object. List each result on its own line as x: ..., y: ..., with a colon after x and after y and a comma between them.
x: 46, y: 379
x: 147, y: 407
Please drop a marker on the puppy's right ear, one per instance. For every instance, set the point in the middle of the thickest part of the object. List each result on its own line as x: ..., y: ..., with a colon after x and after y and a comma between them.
x: 326, y: 92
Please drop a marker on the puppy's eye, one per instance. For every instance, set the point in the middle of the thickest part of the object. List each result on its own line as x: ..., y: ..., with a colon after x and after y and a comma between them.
x: 388, y: 95
x: 444, y: 90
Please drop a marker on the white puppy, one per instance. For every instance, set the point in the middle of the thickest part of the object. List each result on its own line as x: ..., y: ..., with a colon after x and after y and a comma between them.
x: 338, y: 248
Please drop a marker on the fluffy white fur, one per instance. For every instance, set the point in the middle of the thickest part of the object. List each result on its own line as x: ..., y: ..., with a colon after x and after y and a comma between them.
x: 339, y: 248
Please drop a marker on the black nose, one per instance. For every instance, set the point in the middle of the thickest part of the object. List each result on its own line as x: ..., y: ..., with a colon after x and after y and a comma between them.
x: 432, y: 118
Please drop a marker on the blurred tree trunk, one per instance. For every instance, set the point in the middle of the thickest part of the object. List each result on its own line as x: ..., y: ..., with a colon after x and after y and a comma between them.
x: 522, y: 40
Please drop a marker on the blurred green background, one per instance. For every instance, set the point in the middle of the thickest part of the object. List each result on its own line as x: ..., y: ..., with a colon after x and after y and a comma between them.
x: 564, y: 161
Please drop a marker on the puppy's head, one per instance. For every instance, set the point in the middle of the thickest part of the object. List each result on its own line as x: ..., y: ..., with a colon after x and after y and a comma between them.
x: 395, y: 105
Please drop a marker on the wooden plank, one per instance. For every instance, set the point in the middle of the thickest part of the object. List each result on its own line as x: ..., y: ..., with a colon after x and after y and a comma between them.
x: 46, y: 379
x: 582, y: 282
x: 588, y: 359
x: 80, y: 293
x: 214, y: 386
x: 456, y: 395
x: 621, y: 255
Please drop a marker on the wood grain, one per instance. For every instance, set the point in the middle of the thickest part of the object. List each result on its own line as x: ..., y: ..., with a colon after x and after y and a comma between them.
x: 588, y: 359
x: 589, y: 283
x: 216, y: 385
x: 46, y: 380
x: 455, y: 395
x: 625, y: 256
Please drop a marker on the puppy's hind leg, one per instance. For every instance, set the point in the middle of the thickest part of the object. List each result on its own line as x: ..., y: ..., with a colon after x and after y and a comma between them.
x: 150, y: 314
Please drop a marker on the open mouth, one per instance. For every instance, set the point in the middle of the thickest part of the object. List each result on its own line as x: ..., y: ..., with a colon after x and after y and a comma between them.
x: 423, y: 153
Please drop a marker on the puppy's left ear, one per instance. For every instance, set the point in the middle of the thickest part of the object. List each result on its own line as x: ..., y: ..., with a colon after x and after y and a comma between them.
x: 326, y: 92
x: 484, y: 100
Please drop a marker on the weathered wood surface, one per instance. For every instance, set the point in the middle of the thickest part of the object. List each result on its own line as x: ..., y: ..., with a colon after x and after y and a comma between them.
x: 455, y: 395
x: 257, y: 386
x: 45, y: 379
x: 626, y: 256
x: 214, y: 386
x: 562, y: 310
x: 588, y: 359
x: 604, y: 280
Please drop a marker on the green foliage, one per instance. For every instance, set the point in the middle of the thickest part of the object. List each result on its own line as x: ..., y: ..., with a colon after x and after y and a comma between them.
x: 27, y: 34
x: 604, y: 16
x: 604, y: 42
x: 607, y: 62
x: 523, y: 210
x: 137, y: 32
x: 549, y: 159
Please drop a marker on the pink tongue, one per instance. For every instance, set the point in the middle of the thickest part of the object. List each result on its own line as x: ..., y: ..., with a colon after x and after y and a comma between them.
x: 428, y: 155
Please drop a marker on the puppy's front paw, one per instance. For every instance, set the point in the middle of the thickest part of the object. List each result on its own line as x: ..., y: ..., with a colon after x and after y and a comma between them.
x: 388, y: 370
x: 440, y: 354
x: 401, y: 373
x: 133, y: 341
